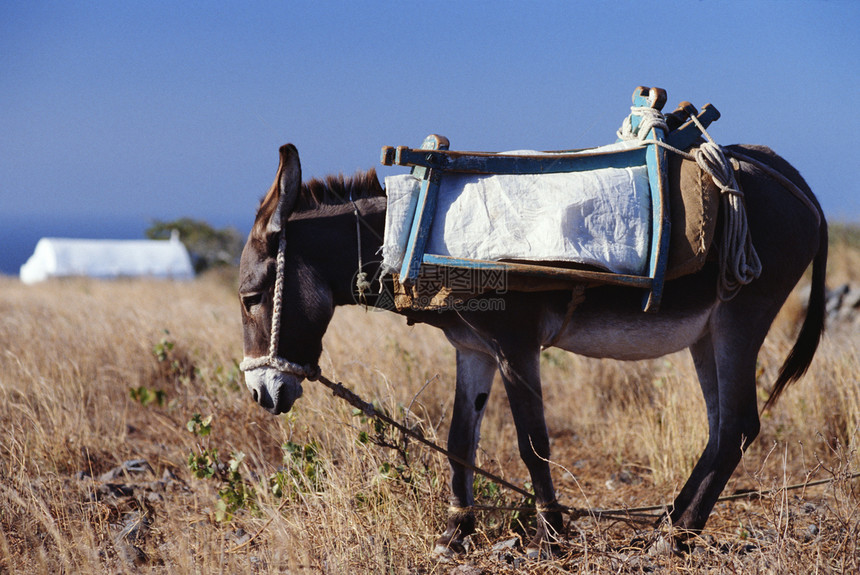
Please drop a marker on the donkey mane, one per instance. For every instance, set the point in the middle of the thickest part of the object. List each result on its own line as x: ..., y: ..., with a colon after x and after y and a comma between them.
x: 338, y: 190
x: 333, y: 190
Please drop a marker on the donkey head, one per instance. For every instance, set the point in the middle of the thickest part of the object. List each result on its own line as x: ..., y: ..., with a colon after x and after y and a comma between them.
x: 280, y: 354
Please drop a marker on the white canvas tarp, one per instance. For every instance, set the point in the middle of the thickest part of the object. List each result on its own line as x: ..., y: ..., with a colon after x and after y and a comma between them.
x: 60, y: 257
x: 601, y: 218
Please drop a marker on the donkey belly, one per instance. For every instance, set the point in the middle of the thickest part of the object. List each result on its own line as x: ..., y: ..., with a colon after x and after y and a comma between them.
x: 634, y: 335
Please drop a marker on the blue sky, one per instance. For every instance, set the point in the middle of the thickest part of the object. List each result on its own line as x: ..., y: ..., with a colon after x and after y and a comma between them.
x: 167, y: 109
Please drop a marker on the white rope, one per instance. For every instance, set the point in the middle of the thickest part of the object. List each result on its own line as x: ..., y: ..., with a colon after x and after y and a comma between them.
x: 278, y: 295
x: 649, y: 118
x: 739, y: 262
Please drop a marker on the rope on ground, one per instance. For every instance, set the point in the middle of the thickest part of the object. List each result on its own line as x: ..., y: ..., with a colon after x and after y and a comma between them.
x: 633, y: 514
x: 339, y: 390
x: 629, y: 513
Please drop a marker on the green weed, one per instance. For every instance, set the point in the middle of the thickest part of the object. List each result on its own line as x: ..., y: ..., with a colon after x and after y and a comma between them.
x: 303, y: 472
x: 145, y: 396
x: 234, y: 492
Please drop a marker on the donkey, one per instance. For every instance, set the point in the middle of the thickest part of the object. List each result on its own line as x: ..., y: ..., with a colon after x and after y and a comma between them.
x: 300, y: 263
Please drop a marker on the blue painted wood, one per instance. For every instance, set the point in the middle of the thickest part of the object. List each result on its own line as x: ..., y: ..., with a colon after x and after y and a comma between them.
x: 684, y: 136
x: 488, y: 163
x: 433, y: 159
x: 424, y: 211
x: 540, y: 271
x: 656, y: 161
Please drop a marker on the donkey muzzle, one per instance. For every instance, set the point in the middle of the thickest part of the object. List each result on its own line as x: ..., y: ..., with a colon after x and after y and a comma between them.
x: 274, y: 390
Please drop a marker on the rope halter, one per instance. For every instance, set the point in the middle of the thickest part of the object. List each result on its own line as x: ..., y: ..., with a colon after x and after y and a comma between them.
x: 272, y: 360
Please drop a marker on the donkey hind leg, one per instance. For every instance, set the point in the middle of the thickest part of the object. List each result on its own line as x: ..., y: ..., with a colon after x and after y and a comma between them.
x: 475, y: 372
x: 521, y: 375
x: 727, y: 375
x: 706, y: 368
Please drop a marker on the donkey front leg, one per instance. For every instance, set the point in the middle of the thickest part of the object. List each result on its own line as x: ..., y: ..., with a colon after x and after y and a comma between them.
x: 475, y: 372
x: 520, y: 371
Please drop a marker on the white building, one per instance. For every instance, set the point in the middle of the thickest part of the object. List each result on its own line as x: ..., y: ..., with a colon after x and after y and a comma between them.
x: 59, y: 257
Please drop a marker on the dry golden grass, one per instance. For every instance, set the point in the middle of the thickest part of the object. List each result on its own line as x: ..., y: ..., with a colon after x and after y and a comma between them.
x: 79, y: 358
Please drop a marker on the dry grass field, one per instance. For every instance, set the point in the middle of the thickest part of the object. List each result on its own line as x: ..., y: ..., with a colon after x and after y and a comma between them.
x: 128, y: 444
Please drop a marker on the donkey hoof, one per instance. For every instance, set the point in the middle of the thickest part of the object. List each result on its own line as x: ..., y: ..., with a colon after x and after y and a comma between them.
x: 545, y: 543
x: 444, y: 554
x: 448, y: 548
x: 448, y: 551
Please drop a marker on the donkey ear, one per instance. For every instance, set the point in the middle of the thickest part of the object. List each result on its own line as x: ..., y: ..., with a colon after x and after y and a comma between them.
x: 287, y: 184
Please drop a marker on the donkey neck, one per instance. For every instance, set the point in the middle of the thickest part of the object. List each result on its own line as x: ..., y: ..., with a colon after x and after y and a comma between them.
x: 328, y: 240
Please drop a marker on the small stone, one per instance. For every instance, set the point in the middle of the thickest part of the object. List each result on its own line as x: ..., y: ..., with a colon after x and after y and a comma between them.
x: 154, y: 497
x: 663, y: 546
x: 538, y: 554
x: 626, y: 477
x: 132, y: 554
x: 130, y: 467
x: 852, y: 299
x: 135, y: 527
x: 811, y: 533
x: 507, y: 544
x: 115, y: 490
x: 443, y: 554
x: 240, y: 536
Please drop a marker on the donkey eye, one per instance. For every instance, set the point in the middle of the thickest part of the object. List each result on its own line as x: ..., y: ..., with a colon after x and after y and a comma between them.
x: 251, y: 302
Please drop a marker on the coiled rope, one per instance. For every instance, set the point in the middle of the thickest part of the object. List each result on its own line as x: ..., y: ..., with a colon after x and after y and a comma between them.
x: 649, y: 118
x: 739, y: 262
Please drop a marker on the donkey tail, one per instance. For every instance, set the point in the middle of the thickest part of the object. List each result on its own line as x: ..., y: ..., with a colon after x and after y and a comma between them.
x: 801, y: 354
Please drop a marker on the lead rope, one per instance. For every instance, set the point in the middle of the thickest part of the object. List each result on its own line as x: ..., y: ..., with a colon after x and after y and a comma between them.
x: 341, y: 391
x: 631, y: 514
